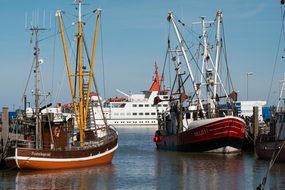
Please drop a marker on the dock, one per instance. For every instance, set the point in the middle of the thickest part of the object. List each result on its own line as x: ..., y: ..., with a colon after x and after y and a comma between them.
x: 6, y: 136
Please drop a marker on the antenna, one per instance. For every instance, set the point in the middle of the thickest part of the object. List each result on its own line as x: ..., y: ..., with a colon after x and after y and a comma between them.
x: 32, y: 21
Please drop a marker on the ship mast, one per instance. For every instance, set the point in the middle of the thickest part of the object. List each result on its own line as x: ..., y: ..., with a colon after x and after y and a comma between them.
x: 37, y: 93
x: 218, y: 51
x: 210, y: 69
x: 80, y: 74
x: 81, y: 103
x: 206, y: 57
x: 183, y: 50
x: 207, y: 70
x: 35, y: 31
x: 217, y: 78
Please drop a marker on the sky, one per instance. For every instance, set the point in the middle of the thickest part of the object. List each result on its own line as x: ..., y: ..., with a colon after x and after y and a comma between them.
x: 134, y: 37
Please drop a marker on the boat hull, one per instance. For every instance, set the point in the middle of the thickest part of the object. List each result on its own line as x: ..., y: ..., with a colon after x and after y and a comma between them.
x: 32, y: 159
x: 265, y: 150
x: 218, y: 135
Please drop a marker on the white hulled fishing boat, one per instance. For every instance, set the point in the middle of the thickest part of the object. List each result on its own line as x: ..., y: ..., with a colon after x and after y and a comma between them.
x: 52, y: 141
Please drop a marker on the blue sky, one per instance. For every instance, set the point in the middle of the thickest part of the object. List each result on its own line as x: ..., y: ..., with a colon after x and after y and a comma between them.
x: 134, y: 38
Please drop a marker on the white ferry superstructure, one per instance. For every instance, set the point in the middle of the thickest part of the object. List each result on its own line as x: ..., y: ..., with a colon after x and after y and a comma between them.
x: 132, y: 110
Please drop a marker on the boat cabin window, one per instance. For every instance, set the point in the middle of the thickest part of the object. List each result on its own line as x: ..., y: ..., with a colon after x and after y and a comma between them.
x: 135, y: 114
x: 140, y: 113
x: 140, y: 105
x: 188, y: 116
x: 106, y: 104
x: 134, y: 105
x: 116, y: 105
x: 146, y: 105
x: 152, y: 113
x: 165, y: 105
x: 129, y: 114
x: 146, y: 113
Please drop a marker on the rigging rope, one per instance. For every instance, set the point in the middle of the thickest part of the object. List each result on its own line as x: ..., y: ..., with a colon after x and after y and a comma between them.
x: 53, y: 60
x: 226, y: 59
x: 273, y: 159
x: 64, y: 70
x: 277, y: 53
x: 102, y: 57
x: 275, y: 153
x: 195, y: 61
x: 27, y: 83
x: 165, y: 59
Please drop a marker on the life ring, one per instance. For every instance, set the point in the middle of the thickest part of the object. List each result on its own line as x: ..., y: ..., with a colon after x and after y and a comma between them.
x: 56, y: 132
x: 156, y: 138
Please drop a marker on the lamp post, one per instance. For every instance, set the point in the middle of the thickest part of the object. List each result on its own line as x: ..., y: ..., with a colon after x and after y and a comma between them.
x: 247, y: 74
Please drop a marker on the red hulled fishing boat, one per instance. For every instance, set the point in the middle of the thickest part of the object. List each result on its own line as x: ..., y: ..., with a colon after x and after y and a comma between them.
x: 204, y: 120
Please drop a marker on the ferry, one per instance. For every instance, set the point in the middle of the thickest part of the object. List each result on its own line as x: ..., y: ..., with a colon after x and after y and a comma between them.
x: 132, y: 110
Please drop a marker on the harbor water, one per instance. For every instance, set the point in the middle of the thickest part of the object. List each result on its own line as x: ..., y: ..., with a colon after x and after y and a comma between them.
x: 138, y: 165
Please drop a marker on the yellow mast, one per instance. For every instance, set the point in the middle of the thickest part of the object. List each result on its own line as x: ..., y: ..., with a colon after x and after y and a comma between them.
x: 80, y: 76
x: 92, y: 63
x: 58, y: 14
x: 81, y: 107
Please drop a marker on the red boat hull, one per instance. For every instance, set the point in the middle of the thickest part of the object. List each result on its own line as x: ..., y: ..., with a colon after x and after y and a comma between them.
x: 207, y: 135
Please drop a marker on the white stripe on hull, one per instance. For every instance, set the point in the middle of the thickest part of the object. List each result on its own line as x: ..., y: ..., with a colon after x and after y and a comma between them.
x: 24, y: 158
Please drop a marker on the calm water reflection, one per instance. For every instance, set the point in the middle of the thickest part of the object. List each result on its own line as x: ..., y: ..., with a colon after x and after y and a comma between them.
x: 97, y: 178
x: 137, y: 165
